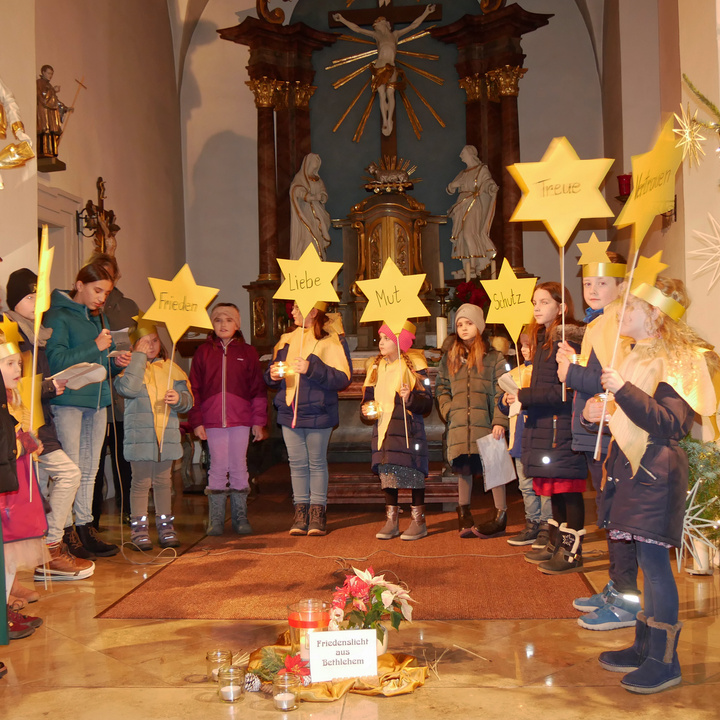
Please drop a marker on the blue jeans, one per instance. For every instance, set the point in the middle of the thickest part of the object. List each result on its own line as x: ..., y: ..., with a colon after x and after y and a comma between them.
x: 81, y: 432
x: 537, y: 508
x: 307, y: 455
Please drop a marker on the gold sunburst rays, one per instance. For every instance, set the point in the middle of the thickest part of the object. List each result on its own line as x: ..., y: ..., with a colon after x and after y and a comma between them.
x: 690, y: 137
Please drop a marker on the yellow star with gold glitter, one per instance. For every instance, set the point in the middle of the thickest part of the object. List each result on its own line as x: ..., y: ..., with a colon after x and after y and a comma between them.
x: 31, y: 399
x: 561, y: 189
x: 653, y: 185
x: 10, y: 330
x: 180, y: 303
x: 308, y: 280
x: 393, y: 297
x: 593, y: 251
x: 689, y: 133
x: 510, y: 300
x: 647, y: 270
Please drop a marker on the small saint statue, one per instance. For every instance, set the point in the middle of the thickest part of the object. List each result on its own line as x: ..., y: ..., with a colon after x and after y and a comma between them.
x: 384, y: 72
x: 50, y: 114
x: 473, y: 212
x: 12, y: 155
x: 309, y: 220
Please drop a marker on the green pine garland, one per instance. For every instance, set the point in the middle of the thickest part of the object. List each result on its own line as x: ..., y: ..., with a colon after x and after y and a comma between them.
x: 704, y: 460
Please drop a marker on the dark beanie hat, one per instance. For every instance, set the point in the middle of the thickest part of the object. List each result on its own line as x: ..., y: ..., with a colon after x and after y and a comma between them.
x: 21, y: 283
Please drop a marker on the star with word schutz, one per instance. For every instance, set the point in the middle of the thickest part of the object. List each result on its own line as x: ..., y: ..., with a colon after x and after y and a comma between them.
x: 510, y: 300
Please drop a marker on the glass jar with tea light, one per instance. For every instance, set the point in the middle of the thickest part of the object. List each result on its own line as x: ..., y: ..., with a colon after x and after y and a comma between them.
x: 304, y: 618
x: 371, y: 410
x: 231, y: 683
x: 602, y: 397
x: 577, y: 359
x: 214, y: 660
x: 283, y: 369
x: 286, y: 692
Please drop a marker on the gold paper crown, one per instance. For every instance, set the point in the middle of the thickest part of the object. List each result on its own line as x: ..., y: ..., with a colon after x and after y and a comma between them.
x: 8, y: 349
x: 672, y: 308
x: 321, y: 306
x: 409, y: 327
x: 608, y: 269
x: 142, y: 328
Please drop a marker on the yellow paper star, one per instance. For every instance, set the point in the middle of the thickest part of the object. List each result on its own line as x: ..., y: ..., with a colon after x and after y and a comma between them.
x: 10, y: 330
x: 510, y: 300
x: 593, y: 251
x: 561, y: 189
x: 180, y: 303
x: 30, y: 399
x: 42, y: 296
x: 647, y: 270
x: 393, y: 297
x: 308, y: 280
x: 653, y: 185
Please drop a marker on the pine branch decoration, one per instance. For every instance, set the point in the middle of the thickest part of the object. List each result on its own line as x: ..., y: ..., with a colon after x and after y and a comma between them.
x: 704, y: 100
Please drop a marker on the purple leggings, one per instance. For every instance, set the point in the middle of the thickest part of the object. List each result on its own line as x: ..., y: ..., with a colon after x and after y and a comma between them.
x: 228, y: 457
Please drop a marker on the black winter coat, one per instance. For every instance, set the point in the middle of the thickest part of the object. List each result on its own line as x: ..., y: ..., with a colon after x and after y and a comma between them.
x: 395, y: 450
x: 585, y: 381
x: 8, y: 445
x: 652, y: 503
x: 547, y: 437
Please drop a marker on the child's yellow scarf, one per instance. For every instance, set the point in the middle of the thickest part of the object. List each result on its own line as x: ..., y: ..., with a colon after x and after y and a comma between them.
x: 156, y: 384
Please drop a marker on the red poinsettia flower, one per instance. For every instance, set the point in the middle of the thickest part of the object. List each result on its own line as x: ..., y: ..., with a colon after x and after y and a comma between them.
x: 295, y: 665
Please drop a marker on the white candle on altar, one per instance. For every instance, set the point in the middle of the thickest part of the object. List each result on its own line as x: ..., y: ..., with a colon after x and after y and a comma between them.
x: 231, y: 692
x: 441, y: 329
x: 466, y: 267
x: 285, y: 701
x: 441, y: 272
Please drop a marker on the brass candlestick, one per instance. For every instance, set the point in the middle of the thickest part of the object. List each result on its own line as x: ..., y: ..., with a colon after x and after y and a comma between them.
x: 442, y: 294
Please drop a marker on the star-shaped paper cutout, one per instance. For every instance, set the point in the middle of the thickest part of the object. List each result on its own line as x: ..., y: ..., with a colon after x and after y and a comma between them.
x: 690, y: 137
x: 393, y: 297
x: 561, y: 189
x: 510, y: 300
x: 593, y: 251
x: 31, y: 399
x: 693, y: 525
x: 710, y: 253
x: 308, y: 280
x: 10, y: 330
x: 180, y: 303
x: 42, y: 293
x: 653, y: 185
x: 647, y: 270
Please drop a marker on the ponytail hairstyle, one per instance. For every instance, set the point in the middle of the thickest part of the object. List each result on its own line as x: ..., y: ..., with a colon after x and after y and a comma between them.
x: 405, y: 358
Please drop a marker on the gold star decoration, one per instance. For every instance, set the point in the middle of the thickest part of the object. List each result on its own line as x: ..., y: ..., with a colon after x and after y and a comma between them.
x: 647, y: 270
x: 593, y: 251
x: 42, y: 293
x: 31, y: 397
x: 393, y: 297
x: 653, y: 185
x: 308, y: 280
x: 510, y: 300
x: 180, y: 303
x: 10, y: 330
x: 710, y: 253
x: 689, y: 133
x: 561, y: 189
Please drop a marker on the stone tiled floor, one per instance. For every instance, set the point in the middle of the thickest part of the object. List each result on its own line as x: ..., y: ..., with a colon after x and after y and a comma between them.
x: 77, y: 667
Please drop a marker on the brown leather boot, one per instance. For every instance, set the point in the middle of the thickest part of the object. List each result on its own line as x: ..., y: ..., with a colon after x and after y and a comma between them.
x: 418, y: 528
x: 390, y: 529
x: 63, y: 565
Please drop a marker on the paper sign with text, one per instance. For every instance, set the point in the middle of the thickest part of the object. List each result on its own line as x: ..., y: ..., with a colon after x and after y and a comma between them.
x: 342, y: 654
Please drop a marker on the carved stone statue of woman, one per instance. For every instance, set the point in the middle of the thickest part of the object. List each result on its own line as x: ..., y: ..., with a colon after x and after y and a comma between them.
x: 309, y: 222
x: 473, y: 212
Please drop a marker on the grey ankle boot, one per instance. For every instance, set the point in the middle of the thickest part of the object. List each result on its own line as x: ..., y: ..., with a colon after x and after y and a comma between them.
x: 139, y: 536
x: 167, y: 536
x: 238, y: 512
x: 216, y: 511
x: 417, y: 528
x: 390, y: 529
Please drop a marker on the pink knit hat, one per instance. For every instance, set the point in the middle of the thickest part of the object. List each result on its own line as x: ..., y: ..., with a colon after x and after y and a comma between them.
x: 407, y: 335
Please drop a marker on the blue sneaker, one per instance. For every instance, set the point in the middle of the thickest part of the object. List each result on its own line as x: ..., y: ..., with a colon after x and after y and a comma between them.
x: 619, y: 612
x: 594, y: 602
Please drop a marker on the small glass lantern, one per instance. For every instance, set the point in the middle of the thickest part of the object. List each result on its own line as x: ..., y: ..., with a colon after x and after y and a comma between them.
x: 214, y: 660
x: 231, y: 683
x: 286, y: 692
x: 611, y: 406
x: 306, y: 617
x: 371, y: 410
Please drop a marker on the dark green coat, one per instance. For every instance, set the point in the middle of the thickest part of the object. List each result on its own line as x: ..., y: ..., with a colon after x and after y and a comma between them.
x: 468, y: 403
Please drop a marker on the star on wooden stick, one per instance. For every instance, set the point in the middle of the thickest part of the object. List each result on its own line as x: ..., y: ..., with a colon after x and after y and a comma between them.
x: 561, y: 189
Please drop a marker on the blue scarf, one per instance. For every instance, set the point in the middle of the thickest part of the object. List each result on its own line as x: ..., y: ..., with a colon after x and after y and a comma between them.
x: 591, y: 314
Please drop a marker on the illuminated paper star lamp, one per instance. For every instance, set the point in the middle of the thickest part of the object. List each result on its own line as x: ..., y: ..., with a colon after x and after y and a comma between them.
x: 653, y: 185
x: 31, y: 396
x: 393, y: 297
x: 510, y: 300
x: 10, y: 330
x: 593, y: 251
x: 647, y: 270
x: 308, y: 280
x: 561, y: 190
x: 180, y: 303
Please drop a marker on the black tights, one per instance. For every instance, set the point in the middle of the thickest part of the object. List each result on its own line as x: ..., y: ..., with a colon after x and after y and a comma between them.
x: 569, y: 508
x: 391, y: 496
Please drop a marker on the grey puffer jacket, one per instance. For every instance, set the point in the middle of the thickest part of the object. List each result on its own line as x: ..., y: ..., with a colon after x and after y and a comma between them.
x: 468, y: 403
x: 140, y: 439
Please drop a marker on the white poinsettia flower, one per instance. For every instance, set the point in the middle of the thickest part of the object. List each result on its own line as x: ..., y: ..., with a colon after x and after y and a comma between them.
x: 387, y: 598
x: 406, y: 609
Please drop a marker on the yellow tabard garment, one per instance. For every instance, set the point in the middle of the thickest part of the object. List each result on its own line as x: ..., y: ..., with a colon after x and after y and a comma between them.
x: 390, y: 377
x: 600, y: 336
x: 646, y: 366
x: 303, y: 343
x: 156, y: 384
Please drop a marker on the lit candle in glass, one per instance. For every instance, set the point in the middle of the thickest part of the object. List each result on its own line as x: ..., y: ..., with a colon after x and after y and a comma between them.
x: 371, y: 410
x: 282, y: 368
x: 306, y: 617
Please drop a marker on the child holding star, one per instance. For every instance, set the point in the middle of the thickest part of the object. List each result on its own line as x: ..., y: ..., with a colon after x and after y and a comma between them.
x: 397, y: 394
x: 659, y: 386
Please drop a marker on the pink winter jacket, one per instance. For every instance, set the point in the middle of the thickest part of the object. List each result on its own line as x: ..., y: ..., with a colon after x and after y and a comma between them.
x: 227, y: 384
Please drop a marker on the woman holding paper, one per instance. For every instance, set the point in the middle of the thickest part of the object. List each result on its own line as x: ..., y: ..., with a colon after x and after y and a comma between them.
x: 310, y: 365
x: 467, y: 394
x: 80, y: 416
